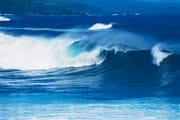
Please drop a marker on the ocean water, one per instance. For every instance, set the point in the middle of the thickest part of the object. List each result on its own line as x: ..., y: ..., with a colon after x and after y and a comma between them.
x: 89, y: 67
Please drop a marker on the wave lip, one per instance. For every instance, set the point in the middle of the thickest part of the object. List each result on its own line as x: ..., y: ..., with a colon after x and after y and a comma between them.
x: 4, y: 19
x: 100, y: 26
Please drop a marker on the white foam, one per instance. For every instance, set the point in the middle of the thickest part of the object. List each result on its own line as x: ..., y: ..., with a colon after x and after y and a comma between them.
x: 158, y: 55
x: 4, y: 19
x: 35, y: 53
x: 100, y: 26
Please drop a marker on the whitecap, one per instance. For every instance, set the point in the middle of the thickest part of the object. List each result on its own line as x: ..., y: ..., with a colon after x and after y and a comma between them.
x: 100, y: 26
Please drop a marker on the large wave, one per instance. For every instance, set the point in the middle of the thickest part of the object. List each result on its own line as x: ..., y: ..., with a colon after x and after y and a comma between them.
x: 35, y: 53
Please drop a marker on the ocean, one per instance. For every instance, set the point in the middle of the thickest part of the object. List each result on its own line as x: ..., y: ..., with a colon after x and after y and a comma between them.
x: 119, y: 67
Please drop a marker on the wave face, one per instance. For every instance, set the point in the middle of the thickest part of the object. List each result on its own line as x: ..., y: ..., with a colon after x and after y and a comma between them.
x: 64, y: 70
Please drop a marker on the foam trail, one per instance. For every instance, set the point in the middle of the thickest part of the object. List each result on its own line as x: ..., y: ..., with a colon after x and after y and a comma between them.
x: 43, y: 29
x: 4, y: 19
x: 35, y: 53
x: 100, y: 26
x: 158, y: 55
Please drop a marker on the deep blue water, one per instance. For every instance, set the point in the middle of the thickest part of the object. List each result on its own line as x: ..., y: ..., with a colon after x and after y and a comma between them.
x: 89, y: 67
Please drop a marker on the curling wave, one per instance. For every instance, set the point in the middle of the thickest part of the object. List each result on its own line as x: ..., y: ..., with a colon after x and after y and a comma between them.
x: 35, y: 53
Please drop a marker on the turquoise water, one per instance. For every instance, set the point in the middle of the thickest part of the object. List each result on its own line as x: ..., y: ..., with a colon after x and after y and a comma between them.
x: 54, y: 107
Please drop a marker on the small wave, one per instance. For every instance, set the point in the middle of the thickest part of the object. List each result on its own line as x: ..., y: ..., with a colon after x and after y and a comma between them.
x: 158, y: 55
x: 3, y: 19
x: 100, y: 26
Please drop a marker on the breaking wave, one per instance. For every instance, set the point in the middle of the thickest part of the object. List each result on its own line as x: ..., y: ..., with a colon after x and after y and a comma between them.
x: 31, y: 53
x: 117, y: 58
x: 36, y: 53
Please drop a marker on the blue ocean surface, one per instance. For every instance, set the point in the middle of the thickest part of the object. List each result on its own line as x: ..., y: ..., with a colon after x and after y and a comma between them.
x: 118, y: 67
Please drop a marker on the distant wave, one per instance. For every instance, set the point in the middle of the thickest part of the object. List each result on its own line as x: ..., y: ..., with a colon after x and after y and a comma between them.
x: 2, y: 19
x: 100, y: 26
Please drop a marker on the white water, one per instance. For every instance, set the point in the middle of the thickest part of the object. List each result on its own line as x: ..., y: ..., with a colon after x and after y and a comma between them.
x: 100, y: 26
x: 35, y: 53
x: 4, y: 19
x: 133, y: 109
x: 158, y: 55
